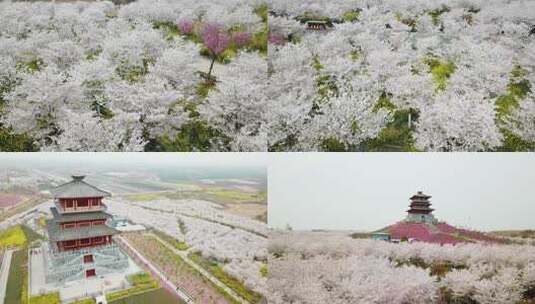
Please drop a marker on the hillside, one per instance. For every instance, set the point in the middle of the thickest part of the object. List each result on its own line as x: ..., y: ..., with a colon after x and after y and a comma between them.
x: 440, y: 233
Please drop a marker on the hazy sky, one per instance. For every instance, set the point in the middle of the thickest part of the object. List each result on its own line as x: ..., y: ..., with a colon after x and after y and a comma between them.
x: 135, y: 159
x: 368, y: 191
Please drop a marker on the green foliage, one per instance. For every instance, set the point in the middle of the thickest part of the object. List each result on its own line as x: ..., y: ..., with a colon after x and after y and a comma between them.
x: 447, y: 296
x: 169, y: 28
x: 132, y: 74
x: 517, y: 89
x: 326, y: 85
x: 233, y: 283
x: 31, y: 66
x: 50, y: 298
x: 259, y: 41
x: 332, y: 145
x: 505, y: 104
x: 195, y: 135
x: 203, y: 88
x: 316, y: 63
x: 262, y: 12
x: 182, y: 246
x: 351, y: 16
x: 440, y: 71
x: 308, y: 16
x: 92, y: 55
x: 410, y: 22
x: 355, y: 55
x: 13, y: 237
x: 435, y: 14
x: 440, y: 269
x: 13, y: 142
x: 264, y: 270
x: 513, y: 143
x: 140, y: 279
x: 284, y: 145
x: 142, y: 282
x: 384, y: 102
x: 152, y: 296
x: 396, y: 136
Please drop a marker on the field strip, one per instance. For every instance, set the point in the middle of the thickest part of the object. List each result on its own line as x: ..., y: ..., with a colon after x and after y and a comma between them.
x: 224, y: 224
x: 201, y: 270
x: 153, y: 269
x: 4, y: 273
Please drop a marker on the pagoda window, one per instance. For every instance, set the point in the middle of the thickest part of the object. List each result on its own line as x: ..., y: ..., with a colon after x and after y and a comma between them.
x: 69, y: 204
x: 98, y: 240
x: 83, y: 203
x: 98, y: 222
x: 69, y: 225
x: 69, y: 244
x: 88, y: 258
x: 95, y: 202
x: 85, y: 242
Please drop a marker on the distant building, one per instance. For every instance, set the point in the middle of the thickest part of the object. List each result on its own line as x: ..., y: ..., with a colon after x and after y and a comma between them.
x: 381, y: 236
x: 80, y: 241
x: 420, y: 210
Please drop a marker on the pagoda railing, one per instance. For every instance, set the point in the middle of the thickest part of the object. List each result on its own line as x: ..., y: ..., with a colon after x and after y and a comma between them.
x: 60, y: 209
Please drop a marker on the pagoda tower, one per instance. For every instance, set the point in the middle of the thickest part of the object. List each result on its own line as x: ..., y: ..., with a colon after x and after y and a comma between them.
x: 80, y: 241
x: 420, y: 209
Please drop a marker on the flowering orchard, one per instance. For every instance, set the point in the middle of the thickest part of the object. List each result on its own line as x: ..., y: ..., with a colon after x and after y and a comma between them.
x: 428, y: 75
x: 331, y: 267
x: 237, y: 245
x: 146, y: 76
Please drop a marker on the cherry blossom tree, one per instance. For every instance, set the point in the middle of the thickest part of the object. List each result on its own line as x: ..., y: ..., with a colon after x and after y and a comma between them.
x: 216, y: 41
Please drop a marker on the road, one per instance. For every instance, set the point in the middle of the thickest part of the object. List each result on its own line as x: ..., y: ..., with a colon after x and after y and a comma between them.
x: 209, y: 276
x: 4, y: 273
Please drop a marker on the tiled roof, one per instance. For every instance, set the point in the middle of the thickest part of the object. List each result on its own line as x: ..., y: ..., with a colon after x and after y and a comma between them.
x: 75, y: 217
x: 77, y: 188
x: 57, y: 234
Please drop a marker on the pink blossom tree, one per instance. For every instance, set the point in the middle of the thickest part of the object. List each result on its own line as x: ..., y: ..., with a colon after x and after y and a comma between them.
x: 216, y: 41
x: 186, y: 27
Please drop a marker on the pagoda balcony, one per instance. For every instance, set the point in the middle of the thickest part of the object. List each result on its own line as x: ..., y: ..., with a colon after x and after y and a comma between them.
x: 76, y: 209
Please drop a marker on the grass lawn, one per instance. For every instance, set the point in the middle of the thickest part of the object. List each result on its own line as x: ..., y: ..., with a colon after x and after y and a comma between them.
x: 17, y: 283
x: 51, y: 298
x: 152, y: 297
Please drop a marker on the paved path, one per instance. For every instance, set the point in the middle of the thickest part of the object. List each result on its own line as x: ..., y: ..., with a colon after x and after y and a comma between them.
x: 209, y: 276
x: 4, y: 273
x: 153, y: 269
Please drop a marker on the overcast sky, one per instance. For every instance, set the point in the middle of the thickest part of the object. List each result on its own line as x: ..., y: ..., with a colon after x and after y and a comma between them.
x: 368, y: 191
x: 143, y: 159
